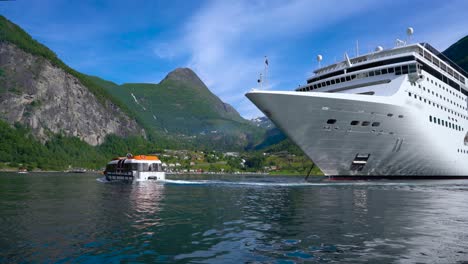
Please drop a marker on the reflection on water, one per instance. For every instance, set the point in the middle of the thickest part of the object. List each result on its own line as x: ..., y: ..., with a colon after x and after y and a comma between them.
x: 62, y: 218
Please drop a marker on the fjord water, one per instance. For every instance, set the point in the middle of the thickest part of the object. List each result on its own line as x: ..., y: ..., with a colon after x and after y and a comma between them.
x: 56, y: 217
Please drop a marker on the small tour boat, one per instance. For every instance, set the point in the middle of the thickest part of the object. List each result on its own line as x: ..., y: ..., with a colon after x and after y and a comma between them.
x: 22, y: 171
x: 135, y: 168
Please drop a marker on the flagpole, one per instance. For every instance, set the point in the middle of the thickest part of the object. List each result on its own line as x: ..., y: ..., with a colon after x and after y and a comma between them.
x: 261, y: 82
x: 266, y: 71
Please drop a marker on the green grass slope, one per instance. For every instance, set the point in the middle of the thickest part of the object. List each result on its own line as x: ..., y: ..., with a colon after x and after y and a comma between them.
x: 181, y: 105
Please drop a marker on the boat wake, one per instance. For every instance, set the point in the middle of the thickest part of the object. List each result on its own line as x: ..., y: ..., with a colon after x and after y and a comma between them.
x: 288, y: 183
x: 276, y: 184
x: 102, y: 180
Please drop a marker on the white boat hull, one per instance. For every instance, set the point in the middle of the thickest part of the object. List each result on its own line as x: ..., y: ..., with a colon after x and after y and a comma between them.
x: 408, y: 145
x: 136, y: 176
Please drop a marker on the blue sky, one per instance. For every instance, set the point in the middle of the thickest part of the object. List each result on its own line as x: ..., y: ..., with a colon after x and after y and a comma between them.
x: 225, y: 42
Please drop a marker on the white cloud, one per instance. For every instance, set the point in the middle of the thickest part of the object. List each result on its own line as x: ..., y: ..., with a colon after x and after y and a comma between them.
x: 228, y: 40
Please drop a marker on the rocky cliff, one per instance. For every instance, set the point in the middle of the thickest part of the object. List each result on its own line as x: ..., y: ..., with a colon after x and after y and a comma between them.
x: 49, y: 100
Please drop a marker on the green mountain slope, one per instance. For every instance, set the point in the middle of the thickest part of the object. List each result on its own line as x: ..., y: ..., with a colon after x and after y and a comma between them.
x: 182, y: 105
x: 179, y: 109
x: 458, y: 53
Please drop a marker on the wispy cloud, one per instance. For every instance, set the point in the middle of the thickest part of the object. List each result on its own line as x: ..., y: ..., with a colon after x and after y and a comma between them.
x: 227, y: 41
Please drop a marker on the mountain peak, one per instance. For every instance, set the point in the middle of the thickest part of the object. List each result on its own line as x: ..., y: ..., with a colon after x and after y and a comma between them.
x: 185, y: 75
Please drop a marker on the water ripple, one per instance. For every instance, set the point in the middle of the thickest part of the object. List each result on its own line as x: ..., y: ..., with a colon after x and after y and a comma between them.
x: 56, y: 218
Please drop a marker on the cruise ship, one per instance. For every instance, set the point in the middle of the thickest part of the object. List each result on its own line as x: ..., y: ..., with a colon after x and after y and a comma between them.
x: 394, y: 112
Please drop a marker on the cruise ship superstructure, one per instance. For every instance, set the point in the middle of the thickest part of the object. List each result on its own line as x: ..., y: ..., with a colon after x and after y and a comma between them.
x: 396, y: 112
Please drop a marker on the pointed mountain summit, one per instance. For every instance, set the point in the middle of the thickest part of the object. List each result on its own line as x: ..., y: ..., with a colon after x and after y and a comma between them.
x: 188, y: 79
x: 185, y: 75
x: 181, y: 104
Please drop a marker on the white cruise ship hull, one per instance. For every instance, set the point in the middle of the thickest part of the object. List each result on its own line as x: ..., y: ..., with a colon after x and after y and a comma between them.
x: 404, y: 143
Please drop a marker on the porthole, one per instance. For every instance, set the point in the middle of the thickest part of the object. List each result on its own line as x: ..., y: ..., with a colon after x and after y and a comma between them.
x: 365, y: 123
x: 376, y: 124
x: 400, y: 116
x: 331, y: 121
x: 354, y: 123
x: 389, y: 114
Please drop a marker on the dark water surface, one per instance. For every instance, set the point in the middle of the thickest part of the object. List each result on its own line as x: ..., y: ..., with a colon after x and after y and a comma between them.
x: 231, y: 219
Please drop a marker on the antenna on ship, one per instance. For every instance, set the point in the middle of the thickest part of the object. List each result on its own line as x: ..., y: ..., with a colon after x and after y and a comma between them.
x: 319, y: 60
x: 409, y: 33
x: 357, y: 48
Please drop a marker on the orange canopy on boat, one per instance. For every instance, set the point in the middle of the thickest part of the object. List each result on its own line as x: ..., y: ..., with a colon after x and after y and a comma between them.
x: 144, y: 157
x: 139, y: 157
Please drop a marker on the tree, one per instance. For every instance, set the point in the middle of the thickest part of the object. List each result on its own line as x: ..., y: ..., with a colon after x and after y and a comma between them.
x: 255, y: 162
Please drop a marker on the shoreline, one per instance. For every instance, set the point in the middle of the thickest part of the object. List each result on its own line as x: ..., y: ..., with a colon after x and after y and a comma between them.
x: 167, y: 173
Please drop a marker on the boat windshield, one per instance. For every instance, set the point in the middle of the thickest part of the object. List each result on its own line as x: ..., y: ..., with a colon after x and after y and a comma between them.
x: 134, y: 167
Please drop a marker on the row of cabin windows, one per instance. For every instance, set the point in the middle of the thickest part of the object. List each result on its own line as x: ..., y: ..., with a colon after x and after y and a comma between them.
x: 363, y: 67
x: 439, y: 64
x: 437, y: 105
x: 442, y: 97
x: 464, y: 151
x: 355, y: 123
x: 456, y: 94
x: 134, y: 167
x: 364, y: 123
x: 442, y: 122
x: 399, y: 70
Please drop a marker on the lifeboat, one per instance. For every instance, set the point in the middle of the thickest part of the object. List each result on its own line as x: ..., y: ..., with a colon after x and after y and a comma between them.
x: 135, y: 168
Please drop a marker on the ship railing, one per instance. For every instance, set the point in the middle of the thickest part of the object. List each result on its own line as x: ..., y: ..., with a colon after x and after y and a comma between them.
x: 367, y: 58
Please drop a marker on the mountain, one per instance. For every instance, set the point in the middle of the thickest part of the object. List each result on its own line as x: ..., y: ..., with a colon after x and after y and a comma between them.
x: 458, y: 53
x: 262, y: 122
x: 41, y: 92
x: 182, y: 105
